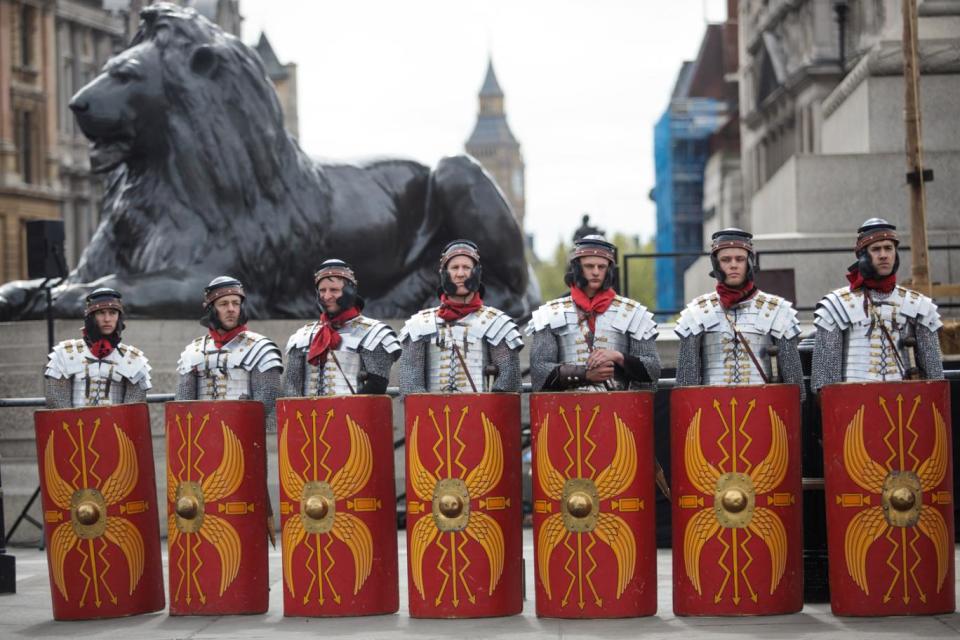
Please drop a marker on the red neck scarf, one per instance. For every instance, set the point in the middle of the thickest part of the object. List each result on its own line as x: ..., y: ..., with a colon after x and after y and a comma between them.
x: 327, y: 338
x: 220, y: 339
x: 450, y: 310
x: 100, y: 348
x: 884, y: 285
x: 594, y: 306
x: 730, y: 296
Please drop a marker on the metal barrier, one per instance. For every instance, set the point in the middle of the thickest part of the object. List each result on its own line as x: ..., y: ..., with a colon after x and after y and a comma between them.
x: 625, y: 271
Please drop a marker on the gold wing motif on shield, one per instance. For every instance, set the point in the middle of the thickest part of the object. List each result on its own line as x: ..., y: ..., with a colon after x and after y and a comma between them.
x: 225, y: 540
x: 863, y: 469
x: 551, y: 533
x: 486, y: 475
x: 57, y: 488
x: 488, y: 534
x: 352, y: 531
x: 932, y: 470
x: 122, y: 481
x: 423, y: 534
x: 422, y: 481
x: 616, y: 534
x: 770, y: 472
x: 356, y: 471
x: 229, y: 474
x: 767, y: 524
x: 862, y: 532
x: 932, y: 524
x: 702, y: 526
x: 702, y: 474
x: 620, y: 473
x: 125, y: 535
x: 292, y: 535
x: 62, y: 541
x: 289, y: 478
x: 547, y: 475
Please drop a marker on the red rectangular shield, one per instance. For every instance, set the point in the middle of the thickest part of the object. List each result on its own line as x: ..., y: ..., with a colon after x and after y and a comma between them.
x: 217, y: 507
x: 736, y: 500
x: 464, y: 541
x: 338, y: 509
x: 593, y: 515
x: 99, y: 496
x: 888, y: 472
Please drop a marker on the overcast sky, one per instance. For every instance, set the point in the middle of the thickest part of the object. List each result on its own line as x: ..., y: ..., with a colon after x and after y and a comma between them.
x: 585, y: 81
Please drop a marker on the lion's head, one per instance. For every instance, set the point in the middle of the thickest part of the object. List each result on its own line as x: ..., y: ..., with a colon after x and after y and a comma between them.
x: 183, y: 89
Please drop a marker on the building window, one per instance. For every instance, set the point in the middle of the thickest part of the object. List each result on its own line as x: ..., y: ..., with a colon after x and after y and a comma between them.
x: 26, y: 35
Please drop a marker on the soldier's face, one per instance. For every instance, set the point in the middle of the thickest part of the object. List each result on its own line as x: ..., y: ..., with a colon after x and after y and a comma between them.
x: 106, y: 320
x: 883, y: 255
x: 594, y: 272
x: 328, y: 292
x: 459, y: 269
x: 227, y: 309
x: 733, y: 263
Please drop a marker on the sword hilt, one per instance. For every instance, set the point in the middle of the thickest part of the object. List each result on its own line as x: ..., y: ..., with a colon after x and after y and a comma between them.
x: 774, y: 352
x: 910, y: 344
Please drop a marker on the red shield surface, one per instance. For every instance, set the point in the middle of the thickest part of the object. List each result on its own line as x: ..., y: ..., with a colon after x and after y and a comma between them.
x: 99, y: 504
x: 338, y: 509
x: 593, y: 512
x: 463, y: 505
x: 736, y: 500
x: 216, y: 507
x: 888, y: 473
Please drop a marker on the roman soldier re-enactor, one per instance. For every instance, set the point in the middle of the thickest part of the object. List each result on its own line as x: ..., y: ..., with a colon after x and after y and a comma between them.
x: 97, y: 369
x: 874, y: 330
x: 459, y: 346
x: 737, y: 335
x: 593, y: 339
x: 230, y: 362
x: 344, y: 352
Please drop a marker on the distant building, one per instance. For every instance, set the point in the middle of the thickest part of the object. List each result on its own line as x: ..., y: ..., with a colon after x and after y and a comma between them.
x: 822, y: 133
x: 50, y: 50
x: 494, y: 146
x: 284, y: 78
x: 700, y: 105
x: 29, y: 168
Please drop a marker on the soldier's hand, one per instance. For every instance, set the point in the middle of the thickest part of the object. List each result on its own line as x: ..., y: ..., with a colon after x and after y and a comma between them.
x: 600, y: 373
x: 604, y: 356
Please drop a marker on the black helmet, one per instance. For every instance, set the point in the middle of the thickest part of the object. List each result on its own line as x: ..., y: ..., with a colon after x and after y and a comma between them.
x: 732, y: 238
x: 335, y: 268
x: 591, y: 246
x: 219, y: 287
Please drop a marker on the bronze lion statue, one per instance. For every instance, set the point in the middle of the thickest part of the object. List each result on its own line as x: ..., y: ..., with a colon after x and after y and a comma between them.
x: 204, y: 180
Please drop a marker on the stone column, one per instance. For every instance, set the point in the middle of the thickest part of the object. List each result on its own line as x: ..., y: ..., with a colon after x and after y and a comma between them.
x: 48, y: 73
x: 8, y: 151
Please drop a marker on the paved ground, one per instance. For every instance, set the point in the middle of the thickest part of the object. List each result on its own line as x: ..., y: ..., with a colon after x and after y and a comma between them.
x: 27, y: 615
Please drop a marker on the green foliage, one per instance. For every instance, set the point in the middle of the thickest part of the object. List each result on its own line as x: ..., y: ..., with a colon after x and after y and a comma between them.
x: 641, y: 281
x: 550, y: 272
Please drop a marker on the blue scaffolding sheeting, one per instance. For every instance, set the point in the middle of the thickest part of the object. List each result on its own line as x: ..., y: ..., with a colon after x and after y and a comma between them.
x: 681, y: 149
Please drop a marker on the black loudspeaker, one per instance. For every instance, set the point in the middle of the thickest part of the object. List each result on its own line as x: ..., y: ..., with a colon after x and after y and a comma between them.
x: 45, y: 256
